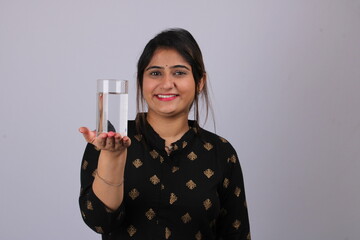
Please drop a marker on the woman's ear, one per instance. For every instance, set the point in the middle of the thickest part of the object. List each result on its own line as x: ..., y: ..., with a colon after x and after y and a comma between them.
x: 202, y: 83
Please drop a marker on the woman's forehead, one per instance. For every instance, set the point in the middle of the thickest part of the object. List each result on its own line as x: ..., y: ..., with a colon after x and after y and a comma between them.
x: 166, y: 57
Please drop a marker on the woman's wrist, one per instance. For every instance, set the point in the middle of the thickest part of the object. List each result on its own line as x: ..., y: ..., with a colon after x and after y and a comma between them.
x: 113, y: 157
x: 111, y: 164
x: 107, y: 182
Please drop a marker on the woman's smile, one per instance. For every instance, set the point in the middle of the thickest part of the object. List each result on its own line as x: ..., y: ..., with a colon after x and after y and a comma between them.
x: 166, y: 97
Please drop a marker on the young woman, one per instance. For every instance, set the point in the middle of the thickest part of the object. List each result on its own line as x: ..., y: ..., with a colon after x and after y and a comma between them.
x: 169, y: 178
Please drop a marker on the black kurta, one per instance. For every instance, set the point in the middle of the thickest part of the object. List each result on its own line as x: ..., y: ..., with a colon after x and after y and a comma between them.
x: 196, y: 192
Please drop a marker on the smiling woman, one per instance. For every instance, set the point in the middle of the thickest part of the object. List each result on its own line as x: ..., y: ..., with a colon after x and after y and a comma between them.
x: 169, y: 178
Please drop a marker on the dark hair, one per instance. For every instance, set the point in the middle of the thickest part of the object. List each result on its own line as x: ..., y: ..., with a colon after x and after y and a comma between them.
x: 185, y: 44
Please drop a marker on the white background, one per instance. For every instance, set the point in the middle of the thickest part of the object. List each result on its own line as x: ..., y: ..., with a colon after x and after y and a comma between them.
x: 285, y: 77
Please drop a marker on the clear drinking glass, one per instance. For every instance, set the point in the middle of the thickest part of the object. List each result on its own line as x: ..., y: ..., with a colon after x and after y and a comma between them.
x: 112, y: 106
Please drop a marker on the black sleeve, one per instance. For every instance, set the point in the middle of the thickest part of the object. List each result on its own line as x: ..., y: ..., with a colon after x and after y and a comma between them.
x: 234, y: 221
x: 94, y: 213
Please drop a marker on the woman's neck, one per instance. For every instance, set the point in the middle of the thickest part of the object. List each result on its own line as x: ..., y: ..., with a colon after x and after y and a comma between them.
x: 170, y: 129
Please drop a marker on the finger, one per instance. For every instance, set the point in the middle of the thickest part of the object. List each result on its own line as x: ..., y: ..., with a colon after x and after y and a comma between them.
x: 111, y: 134
x: 110, y: 141
x: 118, y: 143
x: 117, y: 138
x: 100, y: 141
x: 126, y: 141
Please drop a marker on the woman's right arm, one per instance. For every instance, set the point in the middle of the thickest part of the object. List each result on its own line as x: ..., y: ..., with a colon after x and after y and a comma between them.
x: 102, y: 175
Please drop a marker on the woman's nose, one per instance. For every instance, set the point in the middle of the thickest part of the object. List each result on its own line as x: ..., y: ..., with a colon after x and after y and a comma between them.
x: 168, y: 82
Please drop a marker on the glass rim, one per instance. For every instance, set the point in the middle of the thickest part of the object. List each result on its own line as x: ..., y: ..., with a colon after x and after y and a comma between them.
x: 112, y: 85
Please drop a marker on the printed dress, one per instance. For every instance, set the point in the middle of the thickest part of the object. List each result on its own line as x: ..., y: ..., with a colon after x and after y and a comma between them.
x: 195, y: 192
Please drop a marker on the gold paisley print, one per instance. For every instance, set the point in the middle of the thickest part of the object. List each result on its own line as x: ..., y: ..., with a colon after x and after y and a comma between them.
x: 89, y: 205
x: 150, y: 214
x: 167, y: 233
x: 186, y: 218
x: 154, y: 180
x: 131, y: 230
x: 99, y: 229
x: 237, y: 191
x: 207, y: 204
x: 138, y: 137
x: 208, y: 146
x: 198, y: 236
x: 236, y: 224
x: 137, y: 163
x: 191, y: 185
x: 173, y: 198
x: 209, y: 173
x: 154, y: 154
x: 84, y: 165
x: 226, y: 183
x: 232, y: 159
x: 134, y: 194
x: 192, y: 156
x: 223, y: 140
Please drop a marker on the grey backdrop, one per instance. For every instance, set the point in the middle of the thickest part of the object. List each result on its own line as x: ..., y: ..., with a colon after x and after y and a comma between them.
x: 285, y: 77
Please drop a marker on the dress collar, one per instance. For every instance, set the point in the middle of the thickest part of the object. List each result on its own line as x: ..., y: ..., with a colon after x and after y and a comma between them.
x: 154, y: 140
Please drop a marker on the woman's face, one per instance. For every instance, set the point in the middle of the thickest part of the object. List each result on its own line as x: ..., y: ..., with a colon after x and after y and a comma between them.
x: 168, y: 84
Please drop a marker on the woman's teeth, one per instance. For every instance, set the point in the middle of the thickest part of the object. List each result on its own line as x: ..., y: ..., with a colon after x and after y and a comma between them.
x: 166, y: 96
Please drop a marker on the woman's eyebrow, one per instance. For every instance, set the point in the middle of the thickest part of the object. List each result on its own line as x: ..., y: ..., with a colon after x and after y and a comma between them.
x: 180, y: 66
x: 172, y: 67
x: 154, y: 67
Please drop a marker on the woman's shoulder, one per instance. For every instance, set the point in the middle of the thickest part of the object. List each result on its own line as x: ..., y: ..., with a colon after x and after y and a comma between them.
x: 214, y: 139
x: 223, y: 148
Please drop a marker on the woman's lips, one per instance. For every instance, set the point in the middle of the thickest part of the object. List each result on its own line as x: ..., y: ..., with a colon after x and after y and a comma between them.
x: 166, y: 97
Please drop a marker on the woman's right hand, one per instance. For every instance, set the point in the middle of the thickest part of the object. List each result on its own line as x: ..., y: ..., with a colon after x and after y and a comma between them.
x: 112, y: 142
x: 111, y: 165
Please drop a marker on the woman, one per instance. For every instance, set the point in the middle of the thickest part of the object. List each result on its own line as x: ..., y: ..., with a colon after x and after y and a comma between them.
x: 169, y: 178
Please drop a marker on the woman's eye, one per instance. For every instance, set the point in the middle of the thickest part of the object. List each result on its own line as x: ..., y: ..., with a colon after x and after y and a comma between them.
x: 179, y: 73
x: 155, y: 73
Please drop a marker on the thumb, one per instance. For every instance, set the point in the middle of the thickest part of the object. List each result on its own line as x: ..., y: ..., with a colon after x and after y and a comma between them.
x: 87, y: 134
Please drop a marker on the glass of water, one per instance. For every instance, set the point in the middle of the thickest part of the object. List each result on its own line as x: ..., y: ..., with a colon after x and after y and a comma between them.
x: 112, y: 106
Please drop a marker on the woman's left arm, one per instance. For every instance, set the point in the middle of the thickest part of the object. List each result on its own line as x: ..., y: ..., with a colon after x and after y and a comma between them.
x: 234, y: 220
